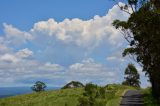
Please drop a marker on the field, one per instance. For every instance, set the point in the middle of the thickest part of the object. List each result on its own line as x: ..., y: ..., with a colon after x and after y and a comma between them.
x: 65, y: 97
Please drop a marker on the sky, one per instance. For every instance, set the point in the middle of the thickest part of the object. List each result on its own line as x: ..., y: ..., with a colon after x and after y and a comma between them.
x: 57, y: 41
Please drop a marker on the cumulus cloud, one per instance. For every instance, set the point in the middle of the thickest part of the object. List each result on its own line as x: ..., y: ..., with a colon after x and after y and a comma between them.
x: 24, y: 53
x: 8, y: 58
x: 4, y: 49
x: 51, y: 67
x: 89, y: 71
x: 15, y: 57
x: 13, y: 67
x: 89, y: 33
x: 15, y: 36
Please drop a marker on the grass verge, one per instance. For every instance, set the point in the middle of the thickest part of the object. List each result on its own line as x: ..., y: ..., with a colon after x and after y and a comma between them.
x: 120, y: 90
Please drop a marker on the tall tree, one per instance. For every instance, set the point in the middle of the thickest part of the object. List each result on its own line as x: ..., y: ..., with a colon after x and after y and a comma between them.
x: 131, y: 76
x: 142, y: 31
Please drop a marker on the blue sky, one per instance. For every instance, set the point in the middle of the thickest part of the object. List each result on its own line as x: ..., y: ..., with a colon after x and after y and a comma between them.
x: 57, y: 41
x: 24, y: 13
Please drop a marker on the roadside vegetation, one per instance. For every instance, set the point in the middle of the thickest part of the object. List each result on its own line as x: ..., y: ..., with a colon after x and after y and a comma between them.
x: 148, y: 98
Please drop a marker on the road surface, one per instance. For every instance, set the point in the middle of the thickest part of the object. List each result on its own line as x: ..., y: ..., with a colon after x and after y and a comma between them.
x: 132, y: 98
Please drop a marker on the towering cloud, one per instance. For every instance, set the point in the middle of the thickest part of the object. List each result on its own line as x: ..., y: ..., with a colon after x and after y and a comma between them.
x: 88, y: 34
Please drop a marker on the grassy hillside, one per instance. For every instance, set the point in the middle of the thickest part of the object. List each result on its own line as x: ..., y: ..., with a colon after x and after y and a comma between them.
x: 62, y: 97
x: 47, y: 98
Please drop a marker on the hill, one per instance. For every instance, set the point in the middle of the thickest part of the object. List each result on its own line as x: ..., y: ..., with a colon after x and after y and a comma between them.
x: 63, y: 97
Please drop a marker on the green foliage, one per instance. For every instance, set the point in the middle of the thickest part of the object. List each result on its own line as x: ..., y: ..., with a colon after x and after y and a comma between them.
x: 39, y: 86
x: 102, y: 92
x: 65, y: 104
x: 100, y: 96
x: 91, y: 90
x: 93, y: 96
x: 132, y: 76
x: 73, y: 84
x: 84, y: 101
x: 148, y: 99
x: 142, y: 31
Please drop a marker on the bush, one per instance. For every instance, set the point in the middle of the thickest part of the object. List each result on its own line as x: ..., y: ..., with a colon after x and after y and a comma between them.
x: 102, y: 92
x: 93, y: 96
x: 84, y: 101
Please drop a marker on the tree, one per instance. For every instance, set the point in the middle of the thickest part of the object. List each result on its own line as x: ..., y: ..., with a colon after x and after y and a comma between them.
x: 132, y: 76
x: 39, y: 86
x: 142, y: 32
x: 73, y: 84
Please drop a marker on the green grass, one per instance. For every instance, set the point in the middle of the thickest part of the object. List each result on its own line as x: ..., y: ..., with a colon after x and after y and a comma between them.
x: 47, y: 98
x: 62, y: 97
x: 148, y: 99
x: 119, y: 91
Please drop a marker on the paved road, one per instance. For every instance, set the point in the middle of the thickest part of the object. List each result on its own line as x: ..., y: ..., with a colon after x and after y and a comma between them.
x: 132, y: 98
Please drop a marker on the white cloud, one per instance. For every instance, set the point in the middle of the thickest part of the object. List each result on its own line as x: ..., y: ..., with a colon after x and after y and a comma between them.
x: 88, y: 34
x: 16, y: 60
x: 116, y: 56
x: 51, y: 67
x: 15, y: 36
x: 8, y: 58
x: 111, y: 58
x: 86, y: 67
x: 24, y: 53
x: 4, y: 49
x: 88, y: 70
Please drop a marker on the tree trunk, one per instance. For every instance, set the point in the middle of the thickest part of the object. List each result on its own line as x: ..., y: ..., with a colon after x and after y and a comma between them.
x: 155, y: 81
